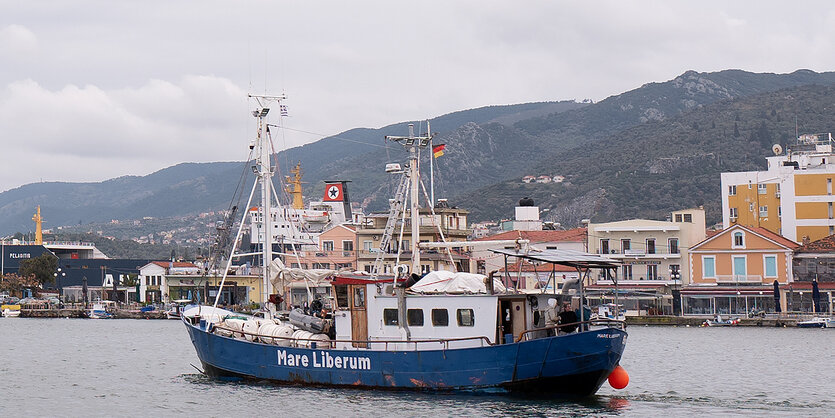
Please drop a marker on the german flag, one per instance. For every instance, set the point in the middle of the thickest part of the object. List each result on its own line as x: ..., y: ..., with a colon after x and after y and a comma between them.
x: 438, y: 150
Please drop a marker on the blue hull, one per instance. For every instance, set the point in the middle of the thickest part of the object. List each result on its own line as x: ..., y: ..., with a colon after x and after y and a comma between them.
x: 569, y: 365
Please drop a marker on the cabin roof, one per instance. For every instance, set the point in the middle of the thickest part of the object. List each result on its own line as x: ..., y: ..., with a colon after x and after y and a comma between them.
x: 571, y: 258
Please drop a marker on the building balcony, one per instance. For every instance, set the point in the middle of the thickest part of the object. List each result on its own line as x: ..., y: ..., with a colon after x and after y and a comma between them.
x: 739, y: 278
x: 639, y: 254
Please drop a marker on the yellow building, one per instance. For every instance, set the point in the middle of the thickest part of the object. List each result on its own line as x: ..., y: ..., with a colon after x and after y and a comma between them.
x: 792, y: 197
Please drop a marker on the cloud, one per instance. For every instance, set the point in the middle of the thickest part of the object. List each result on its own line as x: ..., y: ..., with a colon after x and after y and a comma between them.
x: 107, y: 133
x: 17, y: 39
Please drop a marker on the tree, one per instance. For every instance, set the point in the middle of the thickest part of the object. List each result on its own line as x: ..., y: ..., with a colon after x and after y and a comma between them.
x: 129, y: 280
x: 14, y: 284
x: 41, y: 267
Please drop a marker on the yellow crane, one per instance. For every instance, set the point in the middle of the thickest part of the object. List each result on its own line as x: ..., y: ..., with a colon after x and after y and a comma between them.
x: 38, y: 227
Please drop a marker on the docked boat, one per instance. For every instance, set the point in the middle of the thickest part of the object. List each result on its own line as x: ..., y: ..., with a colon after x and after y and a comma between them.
x: 443, y: 331
x: 816, y: 322
x: 176, y: 309
x: 719, y: 322
x: 99, y: 311
x: 10, y: 311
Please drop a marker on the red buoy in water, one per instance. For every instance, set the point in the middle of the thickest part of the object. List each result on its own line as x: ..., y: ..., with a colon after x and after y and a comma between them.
x: 618, y: 379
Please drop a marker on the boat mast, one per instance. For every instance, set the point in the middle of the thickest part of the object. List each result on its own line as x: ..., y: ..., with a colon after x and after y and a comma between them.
x: 264, y: 171
x: 413, y: 144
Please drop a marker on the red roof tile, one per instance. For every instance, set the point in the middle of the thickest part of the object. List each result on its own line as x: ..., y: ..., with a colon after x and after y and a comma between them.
x: 823, y: 245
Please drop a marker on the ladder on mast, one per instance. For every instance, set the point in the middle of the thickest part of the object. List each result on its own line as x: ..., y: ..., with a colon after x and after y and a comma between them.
x: 396, y: 208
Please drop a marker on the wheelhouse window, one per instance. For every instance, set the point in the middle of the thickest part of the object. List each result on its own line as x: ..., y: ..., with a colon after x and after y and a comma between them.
x: 415, y: 317
x: 440, y: 317
x: 390, y: 316
x: 359, y: 297
x: 341, y: 292
x: 466, y: 318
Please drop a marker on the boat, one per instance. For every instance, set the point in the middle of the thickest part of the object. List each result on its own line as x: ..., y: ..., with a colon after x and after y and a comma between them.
x: 10, y: 310
x: 176, y: 309
x: 816, y: 322
x: 442, y: 331
x: 99, y: 311
x: 719, y: 322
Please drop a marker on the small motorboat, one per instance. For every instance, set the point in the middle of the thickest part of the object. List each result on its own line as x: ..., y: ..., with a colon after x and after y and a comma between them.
x: 10, y: 311
x: 815, y: 322
x: 719, y: 322
x: 99, y: 312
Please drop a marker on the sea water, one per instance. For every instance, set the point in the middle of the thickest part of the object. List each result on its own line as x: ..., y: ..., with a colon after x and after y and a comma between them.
x: 76, y: 367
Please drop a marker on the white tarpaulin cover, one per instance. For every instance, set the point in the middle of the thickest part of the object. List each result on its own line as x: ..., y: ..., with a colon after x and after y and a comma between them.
x: 443, y: 281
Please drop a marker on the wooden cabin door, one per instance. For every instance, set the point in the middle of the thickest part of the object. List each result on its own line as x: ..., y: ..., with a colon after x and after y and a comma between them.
x: 359, y: 315
x: 518, y: 316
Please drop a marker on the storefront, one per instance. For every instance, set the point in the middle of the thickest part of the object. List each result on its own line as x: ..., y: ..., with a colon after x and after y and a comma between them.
x: 727, y: 300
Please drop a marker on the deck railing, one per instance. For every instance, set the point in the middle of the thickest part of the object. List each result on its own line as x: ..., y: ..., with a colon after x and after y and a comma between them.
x: 614, y: 323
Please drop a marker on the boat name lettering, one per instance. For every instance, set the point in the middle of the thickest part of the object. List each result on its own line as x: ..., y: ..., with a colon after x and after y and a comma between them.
x: 20, y: 255
x: 607, y: 336
x: 323, y: 360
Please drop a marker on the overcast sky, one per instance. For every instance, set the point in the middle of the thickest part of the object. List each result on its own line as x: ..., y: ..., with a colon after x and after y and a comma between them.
x: 91, y: 90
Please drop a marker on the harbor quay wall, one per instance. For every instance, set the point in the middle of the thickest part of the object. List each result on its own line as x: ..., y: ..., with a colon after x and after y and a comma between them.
x: 695, y: 321
x: 81, y: 313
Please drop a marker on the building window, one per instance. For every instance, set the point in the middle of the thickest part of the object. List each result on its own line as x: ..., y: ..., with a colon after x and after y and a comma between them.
x: 830, y: 210
x: 688, y: 217
x: 678, y: 217
x: 650, y: 245
x: 770, y: 265
x: 367, y: 245
x: 739, y: 265
x: 829, y: 187
x: 652, y: 271
x: 327, y: 245
x: 751, y: 207
x: 761, y: 189
x: 709, y: 267
x: 324, y: 266
x: 465, y: 318
x: 604, y: 246
x: 732, y: 190
x: 739, y: 240
x: 390, y: 316
x: 625, y: 245
x: 627, y: 272
x: 749, y: 184
x: 347, y: 245
x: 733, y: 214
x: 440, y: 317
x: 779, y: 211
x: 368, y: 268
x: 673, y: 244
x: 763, y: 211
x: 404, y: 245
x: 415, y: 317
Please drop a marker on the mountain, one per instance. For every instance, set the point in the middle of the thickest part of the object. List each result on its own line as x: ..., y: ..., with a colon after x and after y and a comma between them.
x: 651, y: 169
x: 643, y: 132
x: 191, y: 188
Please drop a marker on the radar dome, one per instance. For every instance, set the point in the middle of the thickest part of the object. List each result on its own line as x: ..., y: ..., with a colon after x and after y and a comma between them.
x: 526, y: 201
